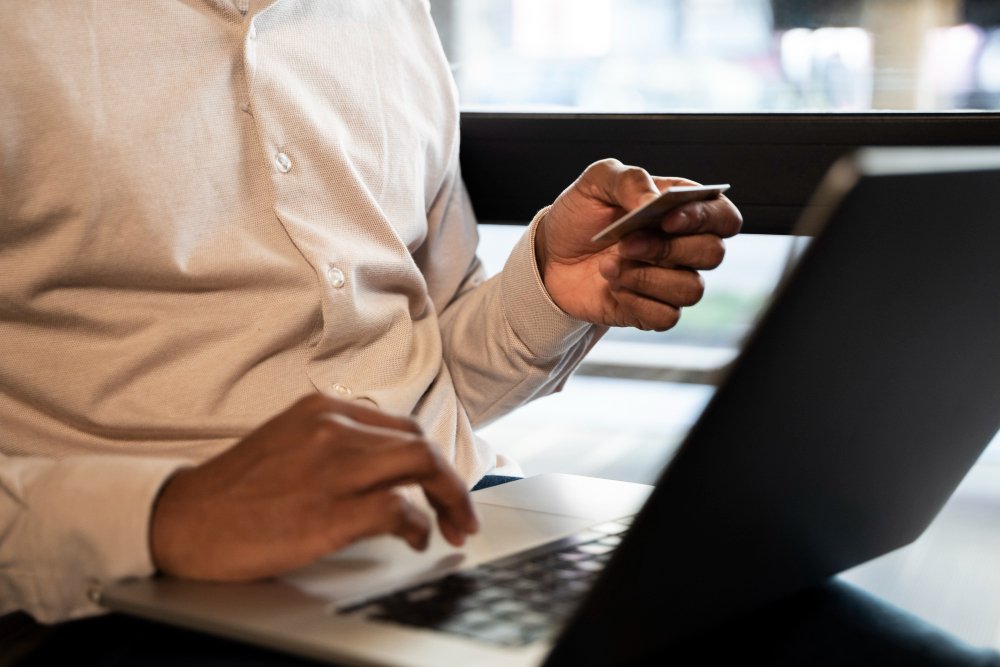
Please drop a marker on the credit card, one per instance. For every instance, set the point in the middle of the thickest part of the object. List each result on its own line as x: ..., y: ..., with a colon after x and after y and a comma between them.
x: 649, y: 215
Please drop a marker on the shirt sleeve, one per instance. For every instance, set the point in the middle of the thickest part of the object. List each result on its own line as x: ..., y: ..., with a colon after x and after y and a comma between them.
x: 505, y: 341
x: 69, y: 525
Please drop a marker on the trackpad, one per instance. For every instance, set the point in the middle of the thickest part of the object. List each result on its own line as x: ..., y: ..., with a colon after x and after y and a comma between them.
x: 384, y: 563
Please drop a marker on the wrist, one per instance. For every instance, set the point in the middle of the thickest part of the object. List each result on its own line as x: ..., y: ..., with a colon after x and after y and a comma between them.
x: 162, y: 531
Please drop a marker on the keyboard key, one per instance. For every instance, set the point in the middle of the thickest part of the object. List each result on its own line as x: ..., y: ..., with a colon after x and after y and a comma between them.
x: 509, y: 602
x: 501, y: 633
x: 590, y: 566
x: 595, y: 549
x: 423, y: 593
x: 611, y: 528
x: 508, y: 607
x: 588, y: 535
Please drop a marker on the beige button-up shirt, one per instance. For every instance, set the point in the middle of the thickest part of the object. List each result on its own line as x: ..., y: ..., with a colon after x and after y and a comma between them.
x: 208, y: 210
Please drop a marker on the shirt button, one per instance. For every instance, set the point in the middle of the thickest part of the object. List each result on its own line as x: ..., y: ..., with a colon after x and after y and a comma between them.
x: 336, y: 276
x: 283, y: 163
x: 245, y: 108
x: 341, y: 390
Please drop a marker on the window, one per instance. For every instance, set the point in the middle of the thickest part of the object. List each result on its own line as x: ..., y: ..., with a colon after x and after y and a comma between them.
x: 764, y: 94
x: 724, y: 55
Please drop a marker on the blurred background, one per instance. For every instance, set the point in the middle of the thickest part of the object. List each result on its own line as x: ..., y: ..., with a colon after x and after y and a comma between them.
x: 723, y: 55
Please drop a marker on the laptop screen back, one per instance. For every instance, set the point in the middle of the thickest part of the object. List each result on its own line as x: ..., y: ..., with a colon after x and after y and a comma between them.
x: 866, y: 392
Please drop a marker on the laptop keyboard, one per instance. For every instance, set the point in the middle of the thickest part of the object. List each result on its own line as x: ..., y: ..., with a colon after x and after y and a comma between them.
x: 512, y: 602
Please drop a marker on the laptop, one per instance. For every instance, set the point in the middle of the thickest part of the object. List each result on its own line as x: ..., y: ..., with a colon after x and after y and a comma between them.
x: 866, y: 391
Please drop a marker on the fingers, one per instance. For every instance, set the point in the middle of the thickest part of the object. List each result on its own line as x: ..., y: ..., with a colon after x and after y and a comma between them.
x: 456, y: 517
x: 642, y: 312
x: 675, y: 287
x: 718, y: 216
x: 374, y: 417
x: 650, y: 297
x: 322, y: 406
x: 664, y: 182
x: 701, y: 251
x: 655, y: 274
x: 368, y: 452
x: 416, y: 461
x: 647, y: 314
x: 379, y: 513
x: 363, y: 458
x: 630, y: 187
x: 615, y: 183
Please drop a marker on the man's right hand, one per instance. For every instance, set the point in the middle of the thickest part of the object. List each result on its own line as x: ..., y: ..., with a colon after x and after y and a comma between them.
x: 314, y: 479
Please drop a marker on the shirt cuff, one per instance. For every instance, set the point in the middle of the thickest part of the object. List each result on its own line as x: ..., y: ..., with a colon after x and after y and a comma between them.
x: 535, y: 318
x: 87, y: 520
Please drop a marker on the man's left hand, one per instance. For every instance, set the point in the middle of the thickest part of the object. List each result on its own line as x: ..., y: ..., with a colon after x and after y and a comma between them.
x: 645, y: 279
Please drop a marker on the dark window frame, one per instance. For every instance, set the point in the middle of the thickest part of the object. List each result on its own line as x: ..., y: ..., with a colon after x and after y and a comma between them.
x: 515, y: 163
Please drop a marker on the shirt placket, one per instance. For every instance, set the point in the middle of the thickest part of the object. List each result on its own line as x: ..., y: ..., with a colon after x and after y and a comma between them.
x: 334, y: 274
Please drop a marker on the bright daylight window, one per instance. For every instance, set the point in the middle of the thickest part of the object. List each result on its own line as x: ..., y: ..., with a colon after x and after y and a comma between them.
x: 724, y: 55
x: 691, y: 56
